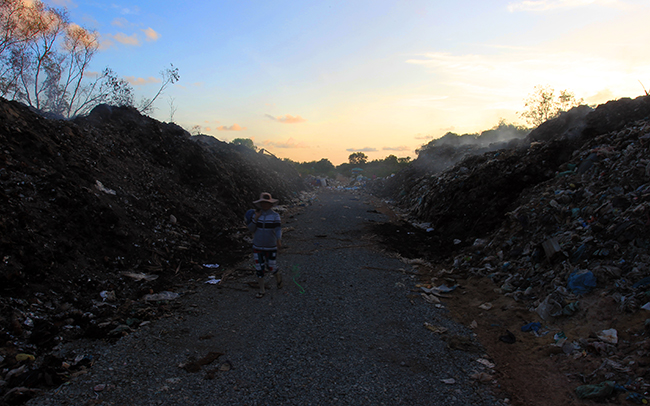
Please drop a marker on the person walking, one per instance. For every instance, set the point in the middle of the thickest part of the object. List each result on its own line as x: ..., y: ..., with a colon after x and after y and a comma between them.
x: 266, y: 226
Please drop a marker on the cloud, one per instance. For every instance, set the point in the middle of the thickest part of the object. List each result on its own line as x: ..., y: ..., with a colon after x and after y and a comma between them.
x: 141, y: 81
x: 287, y: 119
x: 499, y: 81
x: 151, y: 34
x: 105, y: 43
x: 120, y: 22
x: 290, y: 143
x: 545, y: 5
x: 366, y: 149
x: 234, y: 127
x: 125, y: 39
x: 127, y: 10
x: 400, y: 148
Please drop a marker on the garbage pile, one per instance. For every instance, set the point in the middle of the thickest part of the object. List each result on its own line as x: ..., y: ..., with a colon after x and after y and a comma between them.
x: 101, y: 216
x: 562, y: 227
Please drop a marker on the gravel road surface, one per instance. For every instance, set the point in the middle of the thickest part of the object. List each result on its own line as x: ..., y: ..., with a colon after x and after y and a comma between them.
x: 346, y: 329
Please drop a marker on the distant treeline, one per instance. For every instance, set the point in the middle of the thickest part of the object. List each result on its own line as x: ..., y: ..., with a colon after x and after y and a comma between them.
x: 358, y: 163
x: 376, y: 168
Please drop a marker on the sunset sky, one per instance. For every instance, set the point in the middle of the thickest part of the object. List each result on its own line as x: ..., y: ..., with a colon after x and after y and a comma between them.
x: 321, y: 79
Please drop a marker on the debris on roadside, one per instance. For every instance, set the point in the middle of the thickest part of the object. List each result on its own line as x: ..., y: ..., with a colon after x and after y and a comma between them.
x: 558, y: 224
x: 102, y: 216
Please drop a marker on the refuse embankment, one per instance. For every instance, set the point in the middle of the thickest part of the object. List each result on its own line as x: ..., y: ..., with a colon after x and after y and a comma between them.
x: 560, y: 224
x: 100, y: 217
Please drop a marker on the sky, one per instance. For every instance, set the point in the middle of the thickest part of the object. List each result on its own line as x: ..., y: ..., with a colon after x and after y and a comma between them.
x: 308, y: 80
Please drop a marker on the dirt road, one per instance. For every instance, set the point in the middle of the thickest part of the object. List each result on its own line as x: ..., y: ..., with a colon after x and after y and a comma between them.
x: 346, y: 328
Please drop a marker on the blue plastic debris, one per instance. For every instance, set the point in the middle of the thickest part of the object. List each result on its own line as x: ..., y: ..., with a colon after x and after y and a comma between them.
x: 581, y: 282
x: 534, y: 327
x: 642, y: 283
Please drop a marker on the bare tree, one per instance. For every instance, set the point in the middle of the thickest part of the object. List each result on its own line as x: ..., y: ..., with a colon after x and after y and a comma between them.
x: 20, y: 25
x: 172, y: 108
x: 17, y: 24
x: 169, y: 77
x: 42, y: 69
x: 44, y: 60
x: 106, y: 88
x: 80, y: 46
x: 196, y: 130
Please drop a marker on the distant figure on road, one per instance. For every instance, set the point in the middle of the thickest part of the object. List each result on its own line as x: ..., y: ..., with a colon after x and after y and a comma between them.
x: 265, y: 225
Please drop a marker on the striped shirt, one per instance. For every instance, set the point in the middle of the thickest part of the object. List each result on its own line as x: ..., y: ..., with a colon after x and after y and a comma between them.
x: 267, y: 230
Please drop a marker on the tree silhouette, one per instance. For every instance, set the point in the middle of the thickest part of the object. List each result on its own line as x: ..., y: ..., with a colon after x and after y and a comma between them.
x: 358, y: 158
x: 543, y: 105
x: 246, y: 142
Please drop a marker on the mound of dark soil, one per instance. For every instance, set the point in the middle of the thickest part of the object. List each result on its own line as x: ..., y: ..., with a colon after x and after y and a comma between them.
x: 83, y: 202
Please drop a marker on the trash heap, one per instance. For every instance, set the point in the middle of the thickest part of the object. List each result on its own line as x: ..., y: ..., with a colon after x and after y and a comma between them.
x: 561, y: 226
x: 101, y: 217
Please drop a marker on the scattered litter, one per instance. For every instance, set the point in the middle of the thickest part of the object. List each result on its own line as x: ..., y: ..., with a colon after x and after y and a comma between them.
x: 559, y: 339
x: 140, y: 276
x: 551, y: 306
x: 430, y: 298
x: 161, y: 297
x: 106, y: 190
x: 534, y: 327
x: 637, y: 398
x: 485, y: 306
x: 551, y: 246
x: 25, y: 357
x: 107, y: 295
x: 600, y: 391
x: 435, y: 329
x: 485, y: 362
x: 212, y: 280
x: 609, y: 336
x: 581, y: 282
x: 211, y: 265
x: 446, y: 289
x: 433, y: 291
x: 642, y: 283
x: 448, y: 381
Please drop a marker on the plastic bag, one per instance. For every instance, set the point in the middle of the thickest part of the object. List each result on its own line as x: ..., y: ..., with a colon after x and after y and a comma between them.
x: 581, y: 282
